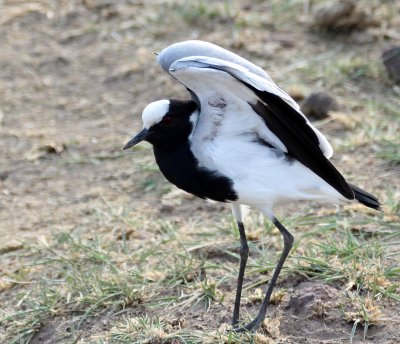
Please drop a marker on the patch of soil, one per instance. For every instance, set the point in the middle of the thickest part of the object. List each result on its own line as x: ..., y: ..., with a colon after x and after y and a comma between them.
x: 74, y: 78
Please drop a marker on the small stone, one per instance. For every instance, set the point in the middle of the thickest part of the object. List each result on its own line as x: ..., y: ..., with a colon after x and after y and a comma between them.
x: 328, y: 14
x: 342, y: 16
x: 166, y: 208
x: 319, y: 104
x: 4, y: 175
x: 391, y: 60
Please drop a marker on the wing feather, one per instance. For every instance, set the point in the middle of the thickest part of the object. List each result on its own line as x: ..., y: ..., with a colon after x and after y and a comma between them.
x: 281, y: 114
x: 301, y: 142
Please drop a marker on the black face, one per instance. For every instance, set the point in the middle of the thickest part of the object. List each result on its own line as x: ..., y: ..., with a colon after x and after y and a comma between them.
x: 175, y: 125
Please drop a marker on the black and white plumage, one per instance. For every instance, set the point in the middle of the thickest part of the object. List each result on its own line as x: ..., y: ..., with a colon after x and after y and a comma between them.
x: 241, y: 139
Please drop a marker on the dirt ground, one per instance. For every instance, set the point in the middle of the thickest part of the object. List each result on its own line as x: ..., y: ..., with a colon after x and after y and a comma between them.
x: 74, y: 78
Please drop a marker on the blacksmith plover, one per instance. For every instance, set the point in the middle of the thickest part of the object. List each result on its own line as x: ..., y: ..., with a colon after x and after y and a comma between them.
x: 242, y: 140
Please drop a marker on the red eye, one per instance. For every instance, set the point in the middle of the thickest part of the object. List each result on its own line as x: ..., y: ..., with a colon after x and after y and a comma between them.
x: 167, y: 120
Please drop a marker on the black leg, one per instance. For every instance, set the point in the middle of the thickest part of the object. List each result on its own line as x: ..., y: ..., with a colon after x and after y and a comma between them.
x: 287, y: 245
x: 244, y: 253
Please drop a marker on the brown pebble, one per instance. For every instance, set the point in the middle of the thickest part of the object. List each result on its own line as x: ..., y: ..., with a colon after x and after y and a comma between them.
x: 391, y: 60
x: 319, y: 104
x: 329, y: 14
x: 342, y: 16
x: 165, y: 208
x: 4, y: 175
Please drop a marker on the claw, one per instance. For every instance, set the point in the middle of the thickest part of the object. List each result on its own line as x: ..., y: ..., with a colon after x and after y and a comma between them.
x: 250, y: 327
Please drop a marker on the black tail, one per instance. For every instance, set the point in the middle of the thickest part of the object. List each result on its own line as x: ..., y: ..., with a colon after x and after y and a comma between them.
x: 365, y: 198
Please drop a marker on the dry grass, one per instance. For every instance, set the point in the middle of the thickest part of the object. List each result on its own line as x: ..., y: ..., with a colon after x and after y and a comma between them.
x: 99, y: 248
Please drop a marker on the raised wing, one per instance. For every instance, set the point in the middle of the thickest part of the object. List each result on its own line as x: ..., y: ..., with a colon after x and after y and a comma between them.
x: 180, y: 50
x: 286, y: 127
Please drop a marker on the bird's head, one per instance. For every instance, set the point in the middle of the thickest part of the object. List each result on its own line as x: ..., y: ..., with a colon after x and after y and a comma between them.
x: 166, y: 121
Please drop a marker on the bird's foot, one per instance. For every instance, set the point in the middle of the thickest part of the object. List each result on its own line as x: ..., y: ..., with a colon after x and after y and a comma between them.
x: 250, y: 327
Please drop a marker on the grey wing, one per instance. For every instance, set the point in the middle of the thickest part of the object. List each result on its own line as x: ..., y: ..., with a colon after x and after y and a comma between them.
x: 184, y: 49
x: 285, y: 127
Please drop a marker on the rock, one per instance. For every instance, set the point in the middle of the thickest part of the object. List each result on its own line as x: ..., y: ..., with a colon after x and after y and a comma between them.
x: 327, y: 15
x: 319, y: 104
x: 391, y: 60
x: 342, y: 16
x: 4, y: 175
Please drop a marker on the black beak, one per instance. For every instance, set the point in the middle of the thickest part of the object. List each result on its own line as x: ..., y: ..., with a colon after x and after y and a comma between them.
x: 138, y: 138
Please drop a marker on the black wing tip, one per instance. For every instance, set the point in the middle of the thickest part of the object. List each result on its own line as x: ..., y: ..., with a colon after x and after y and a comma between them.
x: 299, y: 138
x: 366, y: 198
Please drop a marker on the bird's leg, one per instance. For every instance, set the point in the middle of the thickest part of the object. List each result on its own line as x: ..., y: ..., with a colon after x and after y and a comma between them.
x: 288, y: 243
x: 244, y: 254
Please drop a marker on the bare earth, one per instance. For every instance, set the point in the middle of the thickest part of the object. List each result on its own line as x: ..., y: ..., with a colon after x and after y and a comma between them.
x: 74, y: 78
